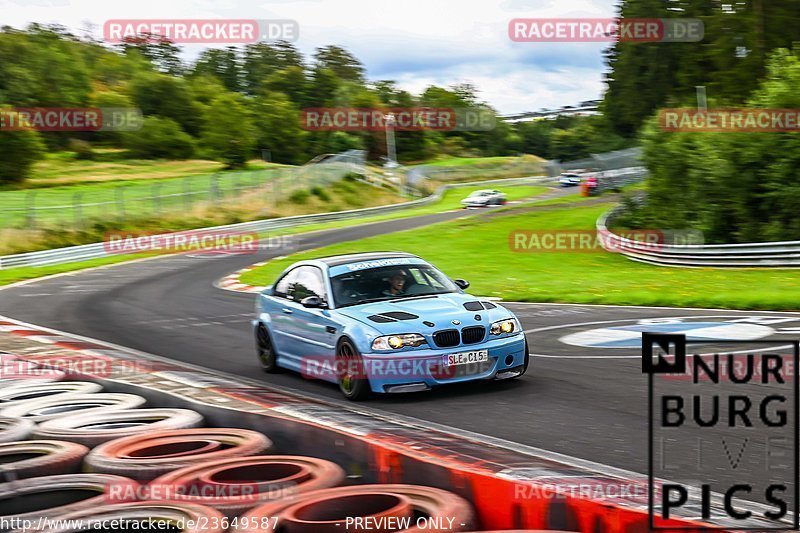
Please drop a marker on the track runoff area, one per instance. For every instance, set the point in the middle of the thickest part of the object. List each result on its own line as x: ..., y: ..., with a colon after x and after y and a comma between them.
x: 712, y: 422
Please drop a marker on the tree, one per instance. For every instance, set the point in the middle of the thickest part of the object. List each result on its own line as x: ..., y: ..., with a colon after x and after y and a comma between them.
x: 228, y: 135
x: 291, y: 82
x: 21, y: 148
x: 344, y: 64
x: 223, y: 65
x: 159, y: 138
x: 277, y: 127
x: 167, y: 96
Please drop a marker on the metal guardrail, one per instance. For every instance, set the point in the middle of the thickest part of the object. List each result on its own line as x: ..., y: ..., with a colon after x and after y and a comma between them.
x: 98, y: 250
x: 758, y: 254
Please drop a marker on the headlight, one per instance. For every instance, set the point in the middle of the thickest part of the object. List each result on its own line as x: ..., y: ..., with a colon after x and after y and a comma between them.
x: 395, y: 342
x: 504, y: 327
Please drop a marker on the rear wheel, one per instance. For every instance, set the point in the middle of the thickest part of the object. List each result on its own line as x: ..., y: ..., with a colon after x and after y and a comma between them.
x: 266, y: 351
x: 351, y: 377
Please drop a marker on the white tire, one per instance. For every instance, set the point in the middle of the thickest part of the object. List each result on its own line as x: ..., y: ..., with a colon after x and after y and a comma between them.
x: 93, y: 428
x: 24, y: 392
x: 68, y: 404
x: 51, y: 496
x: 14, y: 428
x: 33, y: 458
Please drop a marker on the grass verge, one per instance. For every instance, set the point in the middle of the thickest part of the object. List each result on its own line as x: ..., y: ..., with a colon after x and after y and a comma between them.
x: 478, y: 249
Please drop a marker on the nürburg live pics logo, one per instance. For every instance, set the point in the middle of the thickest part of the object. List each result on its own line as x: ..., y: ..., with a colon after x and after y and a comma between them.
x: 722, y: 445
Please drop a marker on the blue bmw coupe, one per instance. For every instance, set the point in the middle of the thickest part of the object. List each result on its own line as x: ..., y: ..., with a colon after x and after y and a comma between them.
x: 384, y: 322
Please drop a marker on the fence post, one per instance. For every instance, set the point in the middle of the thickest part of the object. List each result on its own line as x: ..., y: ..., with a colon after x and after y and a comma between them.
x: 76, y: 208
x: 156, y: 198
x: 214, y: 188
x: 186, y: 201
x: 119, y: 194
x: 30, y: 213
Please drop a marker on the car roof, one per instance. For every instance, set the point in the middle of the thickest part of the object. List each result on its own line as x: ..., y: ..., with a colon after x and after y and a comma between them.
x: 336, y: 260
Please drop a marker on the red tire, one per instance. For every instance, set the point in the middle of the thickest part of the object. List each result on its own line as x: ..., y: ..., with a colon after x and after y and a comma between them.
x: 68, y: 404
x: 327, y: 510
x: 195, y: 518
x: 92, y: 429
x: 145, y: 457
x: 14, y: 428
x: 33, y: 458
x: 234, y: 485
x: 50, y: 496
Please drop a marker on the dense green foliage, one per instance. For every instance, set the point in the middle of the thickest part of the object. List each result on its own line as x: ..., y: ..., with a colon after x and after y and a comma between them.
x: 237, y: 103
x: 736, y: 186
x: 729, y: 62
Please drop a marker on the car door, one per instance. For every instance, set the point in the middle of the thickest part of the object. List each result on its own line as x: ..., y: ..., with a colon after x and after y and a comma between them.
x: 310, y: 332
x: 281, y: 315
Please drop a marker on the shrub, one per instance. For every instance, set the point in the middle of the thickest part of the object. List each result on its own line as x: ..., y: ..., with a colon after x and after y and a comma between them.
x: 159, y: 138
x: 83, y: 150
x: 299, y: 196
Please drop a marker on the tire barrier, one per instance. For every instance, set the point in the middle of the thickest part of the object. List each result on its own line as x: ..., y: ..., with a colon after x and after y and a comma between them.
x: 34, y: 391
x: 32, y: 458
x: 401, y: 508
x: 16, y: 371
x: 59, y: 406
x: 14, y: 428
x: 145, y: 457
x: 181, y: 516
x: 94, y: 428
x: 234, y: 485
x: 52, y: 496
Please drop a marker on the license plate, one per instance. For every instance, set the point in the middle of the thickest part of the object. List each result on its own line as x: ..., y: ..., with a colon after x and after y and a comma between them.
x: 466, y: 358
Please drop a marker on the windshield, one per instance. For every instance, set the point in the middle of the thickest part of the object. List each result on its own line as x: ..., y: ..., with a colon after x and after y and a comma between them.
x: 389, y: 283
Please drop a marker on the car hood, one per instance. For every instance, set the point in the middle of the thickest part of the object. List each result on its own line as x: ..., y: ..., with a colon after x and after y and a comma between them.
x: 409, y: 315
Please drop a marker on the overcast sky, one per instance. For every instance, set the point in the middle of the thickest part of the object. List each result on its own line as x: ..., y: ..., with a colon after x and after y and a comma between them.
x: 415, y: 42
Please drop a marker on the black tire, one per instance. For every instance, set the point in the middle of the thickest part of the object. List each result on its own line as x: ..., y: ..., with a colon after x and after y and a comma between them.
x: 349, y: 366
x: 265, y: 351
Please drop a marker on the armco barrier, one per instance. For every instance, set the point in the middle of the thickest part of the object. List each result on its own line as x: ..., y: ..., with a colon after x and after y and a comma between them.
x: 97, y: 250
x: 761, y: 254
x: 510, y: 486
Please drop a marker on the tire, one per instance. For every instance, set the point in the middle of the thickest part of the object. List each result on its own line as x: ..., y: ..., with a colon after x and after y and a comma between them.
x: 35, y: 391
x: 14, y: 428
x: 33, y: 458
x: 245, y: 482
x: 60, y: 406
x: 148, y: 456
x: 372, y: 500
x: 265, y: 350
x: 52, y: 496
x: 92, y: 429
x: 195, y: 518
x: 349, y: 365
x: 16, y: 371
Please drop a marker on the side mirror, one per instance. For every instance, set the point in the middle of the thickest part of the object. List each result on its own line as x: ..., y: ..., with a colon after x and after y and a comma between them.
x: 314, y: 302
x: 462, y: 283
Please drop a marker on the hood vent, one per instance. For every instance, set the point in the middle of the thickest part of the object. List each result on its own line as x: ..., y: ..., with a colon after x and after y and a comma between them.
x: 392, y: 316
x: 478, y: 306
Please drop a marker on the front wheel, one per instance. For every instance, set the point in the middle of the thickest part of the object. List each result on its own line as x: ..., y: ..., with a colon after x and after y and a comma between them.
x: 351, y: 378
x: 266, y: 351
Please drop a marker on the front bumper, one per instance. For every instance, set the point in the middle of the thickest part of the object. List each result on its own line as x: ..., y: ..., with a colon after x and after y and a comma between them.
x: 424, y: 369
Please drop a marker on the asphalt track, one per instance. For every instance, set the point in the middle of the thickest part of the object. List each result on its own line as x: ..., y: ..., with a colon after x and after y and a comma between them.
x: 584, y: 401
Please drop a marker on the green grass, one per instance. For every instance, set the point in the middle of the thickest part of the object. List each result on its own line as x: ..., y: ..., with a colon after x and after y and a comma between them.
x: 449, y: 201
x: 478, y: 249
